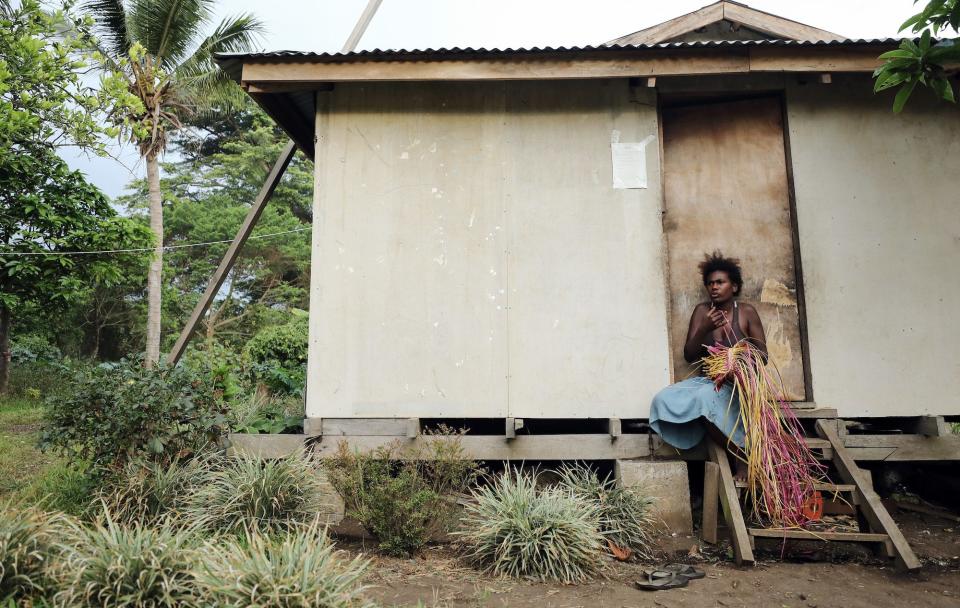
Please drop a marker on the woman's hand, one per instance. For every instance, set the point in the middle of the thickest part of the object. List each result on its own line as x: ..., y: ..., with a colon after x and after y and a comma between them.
x: 716, y: 317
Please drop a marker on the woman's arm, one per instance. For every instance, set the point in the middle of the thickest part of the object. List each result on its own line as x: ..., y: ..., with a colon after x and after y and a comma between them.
x: 701, y: 324
x: 755, y: 329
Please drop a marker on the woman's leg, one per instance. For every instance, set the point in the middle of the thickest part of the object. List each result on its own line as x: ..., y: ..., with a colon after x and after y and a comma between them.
x: 736, y: 454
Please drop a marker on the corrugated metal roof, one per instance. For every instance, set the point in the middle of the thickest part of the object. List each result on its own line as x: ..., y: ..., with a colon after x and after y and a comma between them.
x: 394, y: 53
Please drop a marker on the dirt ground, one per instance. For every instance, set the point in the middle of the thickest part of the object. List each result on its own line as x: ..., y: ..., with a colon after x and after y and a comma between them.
x: 810, y: 575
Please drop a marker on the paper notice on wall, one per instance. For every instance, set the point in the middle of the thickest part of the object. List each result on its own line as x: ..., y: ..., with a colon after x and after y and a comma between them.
x: 629, y: 163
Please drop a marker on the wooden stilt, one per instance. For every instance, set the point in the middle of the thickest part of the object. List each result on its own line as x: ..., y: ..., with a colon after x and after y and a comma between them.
x: 742, y: 551
x: 711, y: 494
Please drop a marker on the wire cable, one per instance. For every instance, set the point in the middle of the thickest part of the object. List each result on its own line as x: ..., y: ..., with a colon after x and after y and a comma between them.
x: 145, y: 249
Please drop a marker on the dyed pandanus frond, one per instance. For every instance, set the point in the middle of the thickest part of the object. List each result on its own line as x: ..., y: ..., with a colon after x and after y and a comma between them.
x: 781, y: 471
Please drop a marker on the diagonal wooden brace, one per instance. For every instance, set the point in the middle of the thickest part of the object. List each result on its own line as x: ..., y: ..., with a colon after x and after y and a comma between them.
x: 226, y: 264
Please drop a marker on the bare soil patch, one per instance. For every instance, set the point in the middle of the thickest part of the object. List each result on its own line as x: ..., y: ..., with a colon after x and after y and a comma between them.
x: 847, y: 577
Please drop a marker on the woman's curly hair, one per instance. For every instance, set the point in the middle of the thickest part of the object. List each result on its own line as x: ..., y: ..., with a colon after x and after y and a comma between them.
x: 712, y: 262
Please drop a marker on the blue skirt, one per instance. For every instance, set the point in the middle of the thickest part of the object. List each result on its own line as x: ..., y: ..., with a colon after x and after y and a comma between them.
x: 680, y: 412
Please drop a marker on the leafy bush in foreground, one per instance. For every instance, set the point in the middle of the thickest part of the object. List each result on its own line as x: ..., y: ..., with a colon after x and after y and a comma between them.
x: 403, y: 496
x: 245, y: 491
x: 116, y: 413
x: 626, y: 516
x: 28, y: 540
x: 514, y: 529
x: 297, y: 570
x: 111, y: 565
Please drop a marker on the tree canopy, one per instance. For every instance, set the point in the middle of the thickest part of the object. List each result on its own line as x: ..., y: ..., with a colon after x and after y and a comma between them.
x: 47, y: 211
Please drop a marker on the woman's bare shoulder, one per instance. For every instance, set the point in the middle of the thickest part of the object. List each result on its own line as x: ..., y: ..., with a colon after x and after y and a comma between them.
x: 748, y: 308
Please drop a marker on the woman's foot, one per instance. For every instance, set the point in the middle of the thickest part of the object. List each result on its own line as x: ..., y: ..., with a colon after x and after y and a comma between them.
x: 739, y: 470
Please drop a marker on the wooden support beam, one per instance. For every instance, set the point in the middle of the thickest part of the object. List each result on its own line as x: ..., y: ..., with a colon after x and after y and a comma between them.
x: 615, y: 428
x: 365, y: 18
x: 216, y: 282
x: 933, y: 426
x: 868, y: 501
x: 413, y: 428
x: 742, y: 550
x: 711, y: 496
x: 826, y: 78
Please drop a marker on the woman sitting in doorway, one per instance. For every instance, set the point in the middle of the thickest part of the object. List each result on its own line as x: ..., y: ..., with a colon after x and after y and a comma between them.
x: 684, y: 412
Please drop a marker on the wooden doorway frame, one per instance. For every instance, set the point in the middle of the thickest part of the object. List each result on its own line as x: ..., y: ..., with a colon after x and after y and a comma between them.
x: 691, y: 98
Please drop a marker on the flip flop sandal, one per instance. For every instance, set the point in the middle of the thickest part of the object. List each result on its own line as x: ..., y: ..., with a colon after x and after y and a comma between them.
x: 685, y: 570
x: 655, y: 580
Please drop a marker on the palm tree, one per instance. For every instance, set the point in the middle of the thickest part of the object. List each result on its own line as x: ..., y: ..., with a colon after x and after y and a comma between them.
x: 158, y: 45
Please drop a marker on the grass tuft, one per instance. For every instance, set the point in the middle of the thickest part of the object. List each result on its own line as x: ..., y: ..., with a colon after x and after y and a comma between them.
x: 246, y: 491
x: 299, y: 569
x: 111, y: 565
x: 514, y: 529
x: 626, y: 514
x: 28, y: 546
x: 149, y: 492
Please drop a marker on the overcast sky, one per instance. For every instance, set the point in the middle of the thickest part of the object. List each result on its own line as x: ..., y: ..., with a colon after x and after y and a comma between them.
x: 323, y: 25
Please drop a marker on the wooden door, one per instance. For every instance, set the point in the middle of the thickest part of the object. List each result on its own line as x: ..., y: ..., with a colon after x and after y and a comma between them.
x: 726, y: 188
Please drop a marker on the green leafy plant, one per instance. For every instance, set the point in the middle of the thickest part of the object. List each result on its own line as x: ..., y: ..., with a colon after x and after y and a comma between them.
x: 626, y: 516
x: 28, y: 545
x: 923, y: 61
x: 272, y: 420
x: 32, y: 348
x: 113, y: 414
x: 110, y: 565
x: 248, y: 492
x: 403, y: 496
x: 513, y: 528
x: 277, y: 356
x: 297, y: 570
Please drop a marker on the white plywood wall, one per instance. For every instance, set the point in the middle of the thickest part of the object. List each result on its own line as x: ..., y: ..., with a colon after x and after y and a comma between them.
x: 878, y: 210
x: 472, y: 258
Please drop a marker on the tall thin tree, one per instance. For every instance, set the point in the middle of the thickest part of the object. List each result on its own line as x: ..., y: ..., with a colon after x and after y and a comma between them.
x: 159, y: 45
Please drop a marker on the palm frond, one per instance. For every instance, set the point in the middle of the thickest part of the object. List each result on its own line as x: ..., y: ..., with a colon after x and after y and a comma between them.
x: 168, y: 29
x: 200, y: 78
x: 110, y: 19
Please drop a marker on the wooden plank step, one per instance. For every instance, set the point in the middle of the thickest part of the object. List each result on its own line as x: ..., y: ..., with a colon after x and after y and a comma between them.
x: 823, y: 487
x: 868, y: 501
x: 795, y: 533
x: 815, y: 443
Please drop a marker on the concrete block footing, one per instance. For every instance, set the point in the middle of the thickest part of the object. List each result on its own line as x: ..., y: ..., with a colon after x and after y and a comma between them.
x: 667, y: 483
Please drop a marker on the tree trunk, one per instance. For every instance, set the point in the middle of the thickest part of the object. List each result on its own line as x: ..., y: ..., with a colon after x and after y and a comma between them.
x: 155, y: 274
x: 4, y: 348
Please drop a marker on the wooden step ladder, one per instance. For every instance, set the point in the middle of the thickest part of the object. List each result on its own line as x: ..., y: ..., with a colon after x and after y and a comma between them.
x: 876, y: 526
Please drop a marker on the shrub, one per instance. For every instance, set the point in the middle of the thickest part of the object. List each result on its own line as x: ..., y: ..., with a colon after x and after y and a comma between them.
x: 514, y: 529
x: 107, y: 565
x: 402, y: 496
x: 116, y: 413
x: 28, y: 539
x: 626, y: 516
x: 31, y: 348
x: 35, y: 379
x: 296, y: 570
x: 277, y: 356
x: 247, y: 491
x: 264, y: 414
x: 149, y: 492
